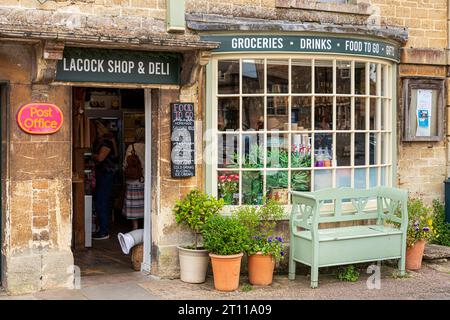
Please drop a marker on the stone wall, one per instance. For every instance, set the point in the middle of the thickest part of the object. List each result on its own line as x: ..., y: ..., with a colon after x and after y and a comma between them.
x: 426, y: 20
x: 143, y: 8
x: 37, y: 234
x: 421, y: 166
x: 167, y: 190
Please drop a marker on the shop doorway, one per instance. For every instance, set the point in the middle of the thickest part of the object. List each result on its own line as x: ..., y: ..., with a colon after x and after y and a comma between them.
x: 107, y: 122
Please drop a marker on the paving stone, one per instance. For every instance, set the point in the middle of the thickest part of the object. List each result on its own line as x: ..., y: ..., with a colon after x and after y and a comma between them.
x: 123, y: 291
x: 62, y: 294
x: 434, y: 251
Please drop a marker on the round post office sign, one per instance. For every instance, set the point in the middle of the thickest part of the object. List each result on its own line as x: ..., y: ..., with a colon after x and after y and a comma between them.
x: 40, y: 118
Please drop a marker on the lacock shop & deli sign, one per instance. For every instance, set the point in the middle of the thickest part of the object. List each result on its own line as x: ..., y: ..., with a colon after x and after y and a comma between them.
x: 310, y: 44
x: 118, y: 66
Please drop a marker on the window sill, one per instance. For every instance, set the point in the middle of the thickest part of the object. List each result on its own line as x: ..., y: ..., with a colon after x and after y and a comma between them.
x: 358, y: 9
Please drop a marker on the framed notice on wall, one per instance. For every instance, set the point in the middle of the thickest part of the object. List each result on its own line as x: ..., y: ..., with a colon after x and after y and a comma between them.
x: 423, y: 109
x: 182, y: 137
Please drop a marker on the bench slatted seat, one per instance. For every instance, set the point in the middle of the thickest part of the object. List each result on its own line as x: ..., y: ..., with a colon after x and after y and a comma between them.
x: 383, y: 210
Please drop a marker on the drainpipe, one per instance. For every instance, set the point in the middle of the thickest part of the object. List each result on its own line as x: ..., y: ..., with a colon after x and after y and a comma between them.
x: 447, y: 87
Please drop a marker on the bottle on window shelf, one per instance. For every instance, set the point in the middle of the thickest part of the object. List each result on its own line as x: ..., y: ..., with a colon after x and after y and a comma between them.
x: 326, y: 158
x: 319, y: 158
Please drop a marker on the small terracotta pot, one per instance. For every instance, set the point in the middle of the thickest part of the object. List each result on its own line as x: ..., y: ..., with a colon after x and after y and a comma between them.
x: 414, y: 255
x: 260, y: 269
x: 226, y: 271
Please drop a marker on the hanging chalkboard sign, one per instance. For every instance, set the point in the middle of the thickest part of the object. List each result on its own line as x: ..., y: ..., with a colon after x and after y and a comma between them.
x: 183, y: 147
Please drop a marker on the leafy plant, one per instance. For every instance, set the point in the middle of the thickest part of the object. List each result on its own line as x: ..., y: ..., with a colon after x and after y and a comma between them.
x: 260, y: 223
x: 300, y: 181
x: 246, y: 287
x: 300, y: 157
x: 252, y: 187
x: 255, y: 157
x: 348, y: 273
x: 277, y: 179
x: 225, y: 235
x: 441, y: 226
x: 420, y: 222
x: 195, y: 209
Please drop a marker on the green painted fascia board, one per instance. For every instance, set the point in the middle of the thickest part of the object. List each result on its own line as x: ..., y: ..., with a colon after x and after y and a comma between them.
x: 175, y: 19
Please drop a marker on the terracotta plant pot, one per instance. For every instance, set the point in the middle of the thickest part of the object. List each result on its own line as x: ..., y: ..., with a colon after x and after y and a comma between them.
x: 414, y: 255
x: 260, y: 269
x: 226, y: 271
x: 193, y: 265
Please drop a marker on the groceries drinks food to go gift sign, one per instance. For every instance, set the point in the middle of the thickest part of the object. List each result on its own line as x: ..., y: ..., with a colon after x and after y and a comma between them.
x: 40, y: 118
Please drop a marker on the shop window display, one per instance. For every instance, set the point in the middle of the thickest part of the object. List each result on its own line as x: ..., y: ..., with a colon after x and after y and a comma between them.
x: 300, y: 124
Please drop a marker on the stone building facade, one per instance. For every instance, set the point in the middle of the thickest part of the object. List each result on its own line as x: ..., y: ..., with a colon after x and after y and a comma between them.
x: 37, y: 199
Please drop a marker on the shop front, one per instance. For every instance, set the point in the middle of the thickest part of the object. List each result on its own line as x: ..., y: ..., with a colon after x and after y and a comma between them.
x: 56, y: 98
x: 300, y: 112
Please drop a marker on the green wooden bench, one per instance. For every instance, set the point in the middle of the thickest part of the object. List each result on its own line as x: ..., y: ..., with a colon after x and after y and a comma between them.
x: 382, y: 237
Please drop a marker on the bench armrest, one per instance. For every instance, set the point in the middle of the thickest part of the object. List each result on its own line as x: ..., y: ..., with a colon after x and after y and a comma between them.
x: 304, y: 211
x: 396, y: 207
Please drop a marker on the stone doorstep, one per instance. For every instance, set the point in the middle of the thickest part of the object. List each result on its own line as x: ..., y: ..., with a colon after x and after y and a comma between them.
x: 436, y: 252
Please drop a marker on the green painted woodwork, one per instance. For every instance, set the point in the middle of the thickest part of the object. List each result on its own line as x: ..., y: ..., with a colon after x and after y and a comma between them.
x: 394, y: 84
x: 118, y: 66
x: 306, y: 44
x: 320, y: 247
x: 175, y: 15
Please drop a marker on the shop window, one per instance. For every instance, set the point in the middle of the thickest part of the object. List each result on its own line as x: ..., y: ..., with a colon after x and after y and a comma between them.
x: 300, y: 124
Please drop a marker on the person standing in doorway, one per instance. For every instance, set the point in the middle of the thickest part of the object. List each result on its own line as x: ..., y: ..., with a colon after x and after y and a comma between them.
x: 134, y: 168
x: 105, y: 167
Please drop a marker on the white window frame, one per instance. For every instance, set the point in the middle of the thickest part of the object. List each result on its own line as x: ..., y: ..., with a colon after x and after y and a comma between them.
x: 389, y: 135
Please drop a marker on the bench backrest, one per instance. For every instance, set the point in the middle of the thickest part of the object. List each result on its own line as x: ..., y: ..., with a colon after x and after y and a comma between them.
x: 348, y: 204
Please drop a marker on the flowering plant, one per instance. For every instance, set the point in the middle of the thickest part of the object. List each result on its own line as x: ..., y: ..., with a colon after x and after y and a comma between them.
x: 274, y: 246
x: 420, y: 222
x: 301, y: 156
x: 260, y: 223
x: 228, y: 185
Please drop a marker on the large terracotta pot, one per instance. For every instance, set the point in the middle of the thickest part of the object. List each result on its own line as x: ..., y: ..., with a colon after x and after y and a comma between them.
x: 414, y: 255
x: 260, y: 269
x: 193, y: 265
x: 226, y: 271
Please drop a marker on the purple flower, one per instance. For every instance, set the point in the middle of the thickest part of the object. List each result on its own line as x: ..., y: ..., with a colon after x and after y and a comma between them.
x: 416, y: 223
x: 269, y: 239
x: 280, y: 239
x: 417, y: 229
x: 282, y: 253
x: 426, y: 229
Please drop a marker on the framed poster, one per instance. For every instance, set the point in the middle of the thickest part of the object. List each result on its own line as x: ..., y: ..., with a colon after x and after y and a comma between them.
x: 423, y: 110
x: 182, y: 139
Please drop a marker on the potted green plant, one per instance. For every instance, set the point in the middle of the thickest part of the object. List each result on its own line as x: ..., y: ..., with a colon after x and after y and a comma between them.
x: 420, y: 230
x: 226, y: 238
x: 264, y: 249
x: 194, y: 210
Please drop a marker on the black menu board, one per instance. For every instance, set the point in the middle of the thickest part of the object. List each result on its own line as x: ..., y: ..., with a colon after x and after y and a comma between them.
x: 183, y: 147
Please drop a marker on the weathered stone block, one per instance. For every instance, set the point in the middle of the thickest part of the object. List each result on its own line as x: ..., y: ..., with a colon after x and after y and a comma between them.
x: 167, y: 263
x: 16, y: 62
x: 58, y: 269
x: 40, y: 160
x: 23, y: 273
